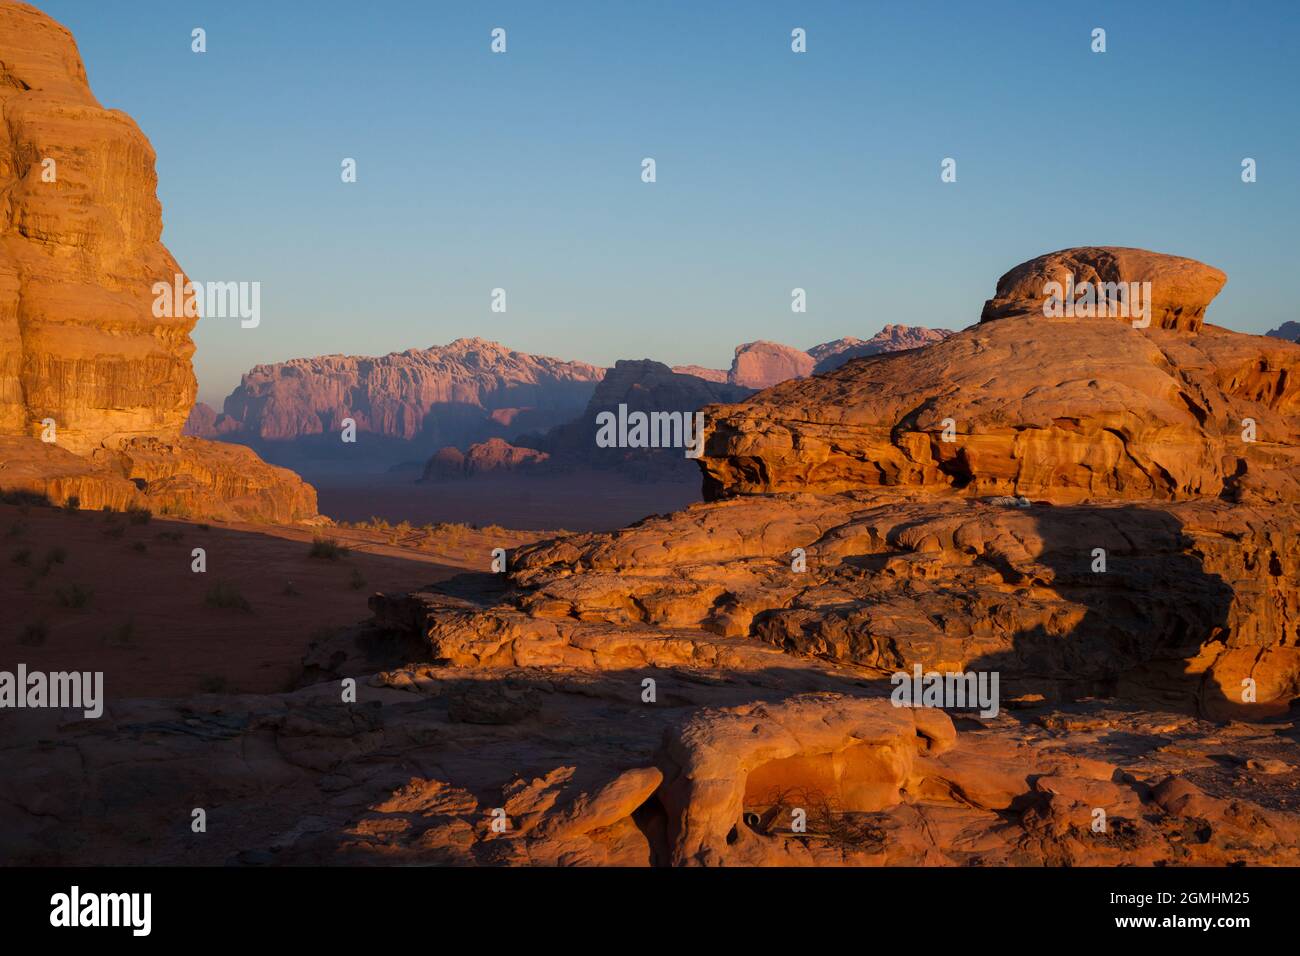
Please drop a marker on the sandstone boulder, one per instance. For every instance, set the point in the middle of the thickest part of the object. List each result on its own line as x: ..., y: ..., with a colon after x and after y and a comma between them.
x: 1180, y: 290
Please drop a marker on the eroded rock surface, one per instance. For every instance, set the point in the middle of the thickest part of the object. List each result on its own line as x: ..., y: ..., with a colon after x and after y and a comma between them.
x: 94, y: 385
x: 1061, y: 408
x: 1180, y: 288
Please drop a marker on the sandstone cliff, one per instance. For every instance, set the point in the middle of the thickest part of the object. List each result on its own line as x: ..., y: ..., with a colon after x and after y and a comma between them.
x: 85, y: 364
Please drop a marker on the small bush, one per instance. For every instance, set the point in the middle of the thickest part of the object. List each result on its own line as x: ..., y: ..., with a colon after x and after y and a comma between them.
x: 34, y: 634
x: 139, y: 515
x: 56, y: 555
x: 290, y: 590
x: 139, y: 546
x: 73, y: 503
x: 227, y: 596
x: 327, y: 549
x: 73, y: 596
x: 115, y: 531
x: 171, y: 535
x: 17, y: 529
x: 23, y: 556
x: 356, y: 581
x: 205, y: 527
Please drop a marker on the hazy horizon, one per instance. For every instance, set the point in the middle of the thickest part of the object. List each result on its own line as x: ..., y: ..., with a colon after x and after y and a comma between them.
x: 817, y: 170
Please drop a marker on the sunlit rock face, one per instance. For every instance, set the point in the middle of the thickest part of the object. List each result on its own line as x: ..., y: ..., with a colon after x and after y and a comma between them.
x: 1063, y: 408
x: 95, y: 384
x: 80, y: 251
x: 1176, y: 289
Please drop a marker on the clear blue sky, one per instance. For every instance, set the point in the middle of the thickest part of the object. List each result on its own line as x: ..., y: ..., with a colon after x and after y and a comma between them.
x: 775, y: 170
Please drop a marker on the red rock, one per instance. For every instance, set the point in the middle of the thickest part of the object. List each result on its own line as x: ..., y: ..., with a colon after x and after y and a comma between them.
x: 760, y: 364
x: 493, y: 455
x: 1180, y: 291
x: 453, y: 394
x: 80, y: 345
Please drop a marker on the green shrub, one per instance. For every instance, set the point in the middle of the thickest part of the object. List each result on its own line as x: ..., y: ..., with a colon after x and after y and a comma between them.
x: 327, y: 549
x: 139, y: 515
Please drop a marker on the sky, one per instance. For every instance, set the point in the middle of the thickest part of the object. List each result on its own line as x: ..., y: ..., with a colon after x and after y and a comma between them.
x: 775, y: 170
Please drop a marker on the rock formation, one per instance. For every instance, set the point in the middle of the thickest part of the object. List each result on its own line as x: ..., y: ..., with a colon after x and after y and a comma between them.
x: 892, y: 338
x: 760, y: 364
x: 407, y: 402
x: 491, y: 456
x: 1120, y: 412
x: 1287, y: 330
x: 86, y: 366
x: 1180, y: 289
x: 642, y: 386
x: 699, y: 371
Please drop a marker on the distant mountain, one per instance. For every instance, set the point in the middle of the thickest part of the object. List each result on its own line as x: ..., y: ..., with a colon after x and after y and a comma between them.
x: 699, y: 371
x: 424, y: 403
x: 892, y: 338
x: 642, y: 386
x: 402, y: 403
x: 1287, y: 330
x: 762, y: 364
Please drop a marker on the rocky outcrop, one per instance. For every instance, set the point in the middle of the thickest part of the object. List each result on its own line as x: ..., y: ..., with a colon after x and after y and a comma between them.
x: 421, y: 399
x: 95, y: 383
x: 892, y: 338
x: 1180, y: 289
x: 187, y: 477
x: 491, y: 456
x: 1005, y: 408
x: 760, y: 364
x: 728, y: 767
